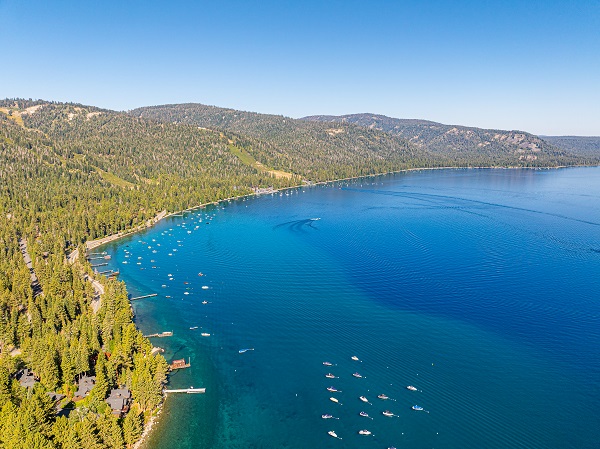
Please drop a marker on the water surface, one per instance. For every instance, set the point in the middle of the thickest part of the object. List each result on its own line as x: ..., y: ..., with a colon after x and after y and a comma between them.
x: 478, y: 287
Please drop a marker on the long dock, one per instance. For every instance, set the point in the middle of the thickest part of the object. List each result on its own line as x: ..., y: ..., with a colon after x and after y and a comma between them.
x: 99, y: 265
x: 162, y: 334
x: 190, y: 390
x: 144, y: 296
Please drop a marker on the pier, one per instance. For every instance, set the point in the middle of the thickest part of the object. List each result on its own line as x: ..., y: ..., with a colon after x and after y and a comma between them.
x: 179, y: 364
x: 186, y: 390
x: 144, y: 296
x: 160, y: 335
x: 99, y: 265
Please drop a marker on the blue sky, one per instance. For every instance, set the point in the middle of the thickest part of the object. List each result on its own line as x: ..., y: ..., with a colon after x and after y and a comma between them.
x: 529, y: 65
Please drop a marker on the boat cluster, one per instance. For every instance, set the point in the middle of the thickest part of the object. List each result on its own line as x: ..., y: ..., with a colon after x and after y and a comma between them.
x: 364, y: 399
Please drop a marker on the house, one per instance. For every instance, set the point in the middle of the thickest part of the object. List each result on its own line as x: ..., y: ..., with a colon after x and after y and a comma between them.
x: 56, y: 398
x: 86, y: 383
x: 119, y: 400
x: 26, y: 378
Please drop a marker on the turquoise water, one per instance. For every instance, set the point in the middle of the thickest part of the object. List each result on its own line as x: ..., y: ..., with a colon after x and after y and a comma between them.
x: 478, y: 287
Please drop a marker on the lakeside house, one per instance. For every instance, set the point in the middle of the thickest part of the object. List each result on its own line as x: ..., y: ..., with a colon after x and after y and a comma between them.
x: 119, y: 400
x: 26, y: 378
x: 85, y: 385
x: 178, y: 364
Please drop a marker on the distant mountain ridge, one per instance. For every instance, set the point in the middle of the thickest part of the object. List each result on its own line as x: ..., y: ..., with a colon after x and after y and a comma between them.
x: 442, y: 139
x: 580, y: 145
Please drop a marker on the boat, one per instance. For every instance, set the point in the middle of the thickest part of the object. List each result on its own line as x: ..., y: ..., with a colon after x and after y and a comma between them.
x: 354, y: 358
x: 327, y: 363
x: 193, y: 327
x: 333, y: 434
x: 387, y: 413
x: 332, y: 399
x: 201, y: 274
x: 186, y: 293
x: 411, y: 388
x: 357, y: 375
x: 205, y: 287
x: 330, y: 376
x: 327, y: 416
x: 364, y: 432
x: 365, y: 414
x: 383, y: 396
x: 205, y: 334
x: 418, y: 408
x: 241, y: 351
x: 333, y: 390
x: 205, y: 302
x: 364, y: 399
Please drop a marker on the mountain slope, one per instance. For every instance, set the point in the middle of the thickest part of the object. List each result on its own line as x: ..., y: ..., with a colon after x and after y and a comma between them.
x: 317, y: 151
x: 579, y: 145
x: 461, y: 143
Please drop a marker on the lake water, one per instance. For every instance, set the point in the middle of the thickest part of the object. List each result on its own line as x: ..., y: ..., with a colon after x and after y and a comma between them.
x: 479, y: 287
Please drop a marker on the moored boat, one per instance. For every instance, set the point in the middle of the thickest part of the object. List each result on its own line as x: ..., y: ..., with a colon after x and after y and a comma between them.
x: 332, y: 399
x: 383, y: 397
x: 327, y: 363
x: 333, y: 390
x: 330, y: 376
x: 333, y: 434
x: 387, y: 413
x: 357, y: 375
x: 354, y: 358
x: 364, y: 399
x: 411, y: 388
x: 364, y: 432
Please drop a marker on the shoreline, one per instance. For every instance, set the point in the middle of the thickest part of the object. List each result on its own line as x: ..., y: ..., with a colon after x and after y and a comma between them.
x: 149, y: 425
x: 93, y: 244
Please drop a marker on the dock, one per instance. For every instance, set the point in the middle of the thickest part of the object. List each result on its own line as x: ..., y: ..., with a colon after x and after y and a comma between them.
x: 160, y: 335
x: 190, y: 390
x: 99, y: 265
x: 143, y: 296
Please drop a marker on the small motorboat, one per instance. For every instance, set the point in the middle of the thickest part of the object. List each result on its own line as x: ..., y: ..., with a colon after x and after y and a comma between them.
x: 383, y: 396
x: 205, y: 302
x: 365, y: 415
x: 241, y: 351
x: 364, y: 432
x: 332, y: 399
x: 205, y: 287
x: 201, y: 274
x: 333, y: 434
x: 388, y: 414
x: 418, y: 408
x: 193, y: 327
x: 327, y: 363
x: 326, y: 416
x: 205, y: 334
x: 354, y: 358
x: 333, y: 390
x: 364, y: 399
x: 330, y: 376
x: 357, y: 375
x: 411, y: 388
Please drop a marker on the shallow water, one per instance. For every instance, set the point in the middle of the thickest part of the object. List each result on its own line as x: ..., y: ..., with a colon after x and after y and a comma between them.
x: 479, y: 287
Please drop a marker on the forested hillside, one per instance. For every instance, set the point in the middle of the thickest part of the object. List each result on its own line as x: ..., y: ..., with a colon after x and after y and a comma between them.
x: 583, y: 146
x: 464, y: 145
x: 68, y: 174
x: 317, y: 151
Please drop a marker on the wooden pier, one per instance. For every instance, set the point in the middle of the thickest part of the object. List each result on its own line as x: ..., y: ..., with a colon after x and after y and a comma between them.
x: 179, y: 364
x: 160, y: 335
x: 99, y: 265
x: 144, y: 296
x: 190, y: 390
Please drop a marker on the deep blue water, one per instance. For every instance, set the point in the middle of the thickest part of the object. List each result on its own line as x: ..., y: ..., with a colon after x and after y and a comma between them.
x: 479, y: 287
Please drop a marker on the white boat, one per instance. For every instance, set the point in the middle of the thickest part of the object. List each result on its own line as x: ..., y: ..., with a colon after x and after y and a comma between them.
x: 205, y: 334
x: 327, y: 363
x: 354, y: 358
x: 383, y: 396
x: 333, y: 390
x: 205, y: 302
x: 205, y: 287
x: 186, y: 293
x: 364, y: 432
x: 333, y: 434
x: 241, y: 351
x: 364, y: 399
x: 327, y: 416
x: 193, y: 327
x: 387, y: 413
x: 330, y: 376
x: 411, y: 388
x: 365, y: 415
x: 332, y: 399
x: 357, y: 375
x: 418, y: 408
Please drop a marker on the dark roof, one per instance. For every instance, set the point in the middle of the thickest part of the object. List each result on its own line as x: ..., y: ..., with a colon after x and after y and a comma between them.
x: 26, y: 378
x: 56, y: 397
x: 118, y: 398
x: 86, y: 383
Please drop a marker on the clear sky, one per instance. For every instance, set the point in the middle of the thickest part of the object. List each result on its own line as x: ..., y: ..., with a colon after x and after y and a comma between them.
x: 529, y: 65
